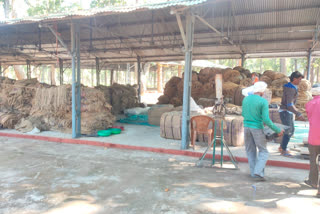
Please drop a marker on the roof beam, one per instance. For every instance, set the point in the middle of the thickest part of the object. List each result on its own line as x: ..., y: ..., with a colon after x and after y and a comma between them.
x: 214, y: 29
x: 59, y: 38
x: 182, y: 33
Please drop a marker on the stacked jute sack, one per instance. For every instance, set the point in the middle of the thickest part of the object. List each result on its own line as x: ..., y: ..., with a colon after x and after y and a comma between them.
x: 304, y: 96
x: 26, y: 104
x: 203, y: 85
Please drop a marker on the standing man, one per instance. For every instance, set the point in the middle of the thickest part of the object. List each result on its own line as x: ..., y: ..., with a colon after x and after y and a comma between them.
x: 313, y: 112
x: 255, y: 110
x: 287, y: 109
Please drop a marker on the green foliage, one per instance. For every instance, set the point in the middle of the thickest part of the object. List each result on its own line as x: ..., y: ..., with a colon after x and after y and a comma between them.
x: 104, y: 3
x: 45, y: 7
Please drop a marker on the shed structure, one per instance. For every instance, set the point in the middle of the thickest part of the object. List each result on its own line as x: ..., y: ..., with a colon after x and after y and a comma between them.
x: 168, y: 31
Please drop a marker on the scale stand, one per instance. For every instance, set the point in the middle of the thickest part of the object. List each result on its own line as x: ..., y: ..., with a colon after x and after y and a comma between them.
x: 222, y: 142
x: 219, y: 111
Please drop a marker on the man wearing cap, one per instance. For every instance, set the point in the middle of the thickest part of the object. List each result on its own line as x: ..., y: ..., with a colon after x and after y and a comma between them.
x: 288, y: 109
x: 313, y: 112
x: 255, y: 111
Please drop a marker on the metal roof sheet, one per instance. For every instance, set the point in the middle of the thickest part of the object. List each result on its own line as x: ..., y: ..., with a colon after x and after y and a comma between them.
x: 109, y: 9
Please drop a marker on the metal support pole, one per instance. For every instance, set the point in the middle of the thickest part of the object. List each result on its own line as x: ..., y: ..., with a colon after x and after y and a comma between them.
x: 61, y: 70
x: 243, y: 59
x: 1, y: 69
x: 76, y: 102
x: 309, y: 64
x: 128, y: 74
x: 187, y: 81
x: 39, y: 38
x: 28, y: 70
x: 111, y: 77
x: 78, y: 87
x: 97, y: 71
x: 139, y: 79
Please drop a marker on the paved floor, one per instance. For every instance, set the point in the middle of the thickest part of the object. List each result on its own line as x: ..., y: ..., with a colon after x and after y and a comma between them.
x: 45, y: 177
x: 148, y: 136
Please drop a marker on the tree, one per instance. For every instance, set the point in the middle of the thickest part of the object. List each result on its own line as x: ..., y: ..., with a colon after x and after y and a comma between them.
x: 6, y: 8
x: 104, y: 3
x: 45, y: 7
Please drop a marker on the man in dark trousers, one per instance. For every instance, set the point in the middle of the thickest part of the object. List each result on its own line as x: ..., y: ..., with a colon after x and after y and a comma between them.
x: 288, y: 109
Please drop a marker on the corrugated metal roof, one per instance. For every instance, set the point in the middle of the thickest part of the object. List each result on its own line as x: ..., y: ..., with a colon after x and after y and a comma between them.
x: 110, y: 9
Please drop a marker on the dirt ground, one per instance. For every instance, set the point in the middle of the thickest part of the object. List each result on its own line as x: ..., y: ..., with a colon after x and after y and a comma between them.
x: 44, y: 177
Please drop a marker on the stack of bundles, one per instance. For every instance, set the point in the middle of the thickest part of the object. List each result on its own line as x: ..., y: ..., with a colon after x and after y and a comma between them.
x: 228, y: 89
x: 8, y: 120
x: 234, y: 76
x: 170, y: 127
x: 121, y: 97
x: 203, y: 85
x: 52, y: 109
x: 15, y: 100
x: 304, y: 96
x: 275, y: 81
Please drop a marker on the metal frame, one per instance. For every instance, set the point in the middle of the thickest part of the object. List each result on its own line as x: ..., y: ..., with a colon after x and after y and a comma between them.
x: 139, y: 78
x: 309, y: 64
x: 97, y: 71
x: 76, y: 81
x: 28, y: 69
x: 190, y: 20
x: 61, y: 71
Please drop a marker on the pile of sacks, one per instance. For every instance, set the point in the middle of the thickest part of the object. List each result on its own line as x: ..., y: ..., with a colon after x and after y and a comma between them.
x: 304, y: 96
x: 234, y: 80
x: 121, y: 97
x: 26, y: 104
x: 203, y: 85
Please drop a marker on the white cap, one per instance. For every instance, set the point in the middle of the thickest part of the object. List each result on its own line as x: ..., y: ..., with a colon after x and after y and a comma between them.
x: 315, y: 91
x: 259, y: 86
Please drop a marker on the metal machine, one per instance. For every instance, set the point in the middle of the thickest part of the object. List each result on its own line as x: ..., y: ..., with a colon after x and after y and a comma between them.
x: 219, y: 112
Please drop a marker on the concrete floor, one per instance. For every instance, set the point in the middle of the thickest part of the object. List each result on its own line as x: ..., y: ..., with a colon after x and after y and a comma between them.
x: 45, y: 177
x: 149, y: 136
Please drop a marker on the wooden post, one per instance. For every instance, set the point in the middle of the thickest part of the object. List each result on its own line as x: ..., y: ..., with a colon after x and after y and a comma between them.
x: 283, y: 67
x: 180, y: 71
x: 159, y: 78
x: 52, y: 75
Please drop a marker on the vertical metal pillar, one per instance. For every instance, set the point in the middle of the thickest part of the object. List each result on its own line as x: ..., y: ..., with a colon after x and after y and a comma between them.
x: 243, y: 59
x: 139, y: 78
x: 28, y: 70
x: 1, y: 69
x: 128, y: 74
x: 61, y: 71
x: 187, y: 81
x: 78, y: 81
x: 111, y: 77
x: 76, y: 93
x: 97, y: 71
x: 159, y: 78
x: 309, y: 64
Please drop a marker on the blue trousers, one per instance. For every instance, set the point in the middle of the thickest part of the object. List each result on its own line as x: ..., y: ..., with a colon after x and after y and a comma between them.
x: 287, y: 119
